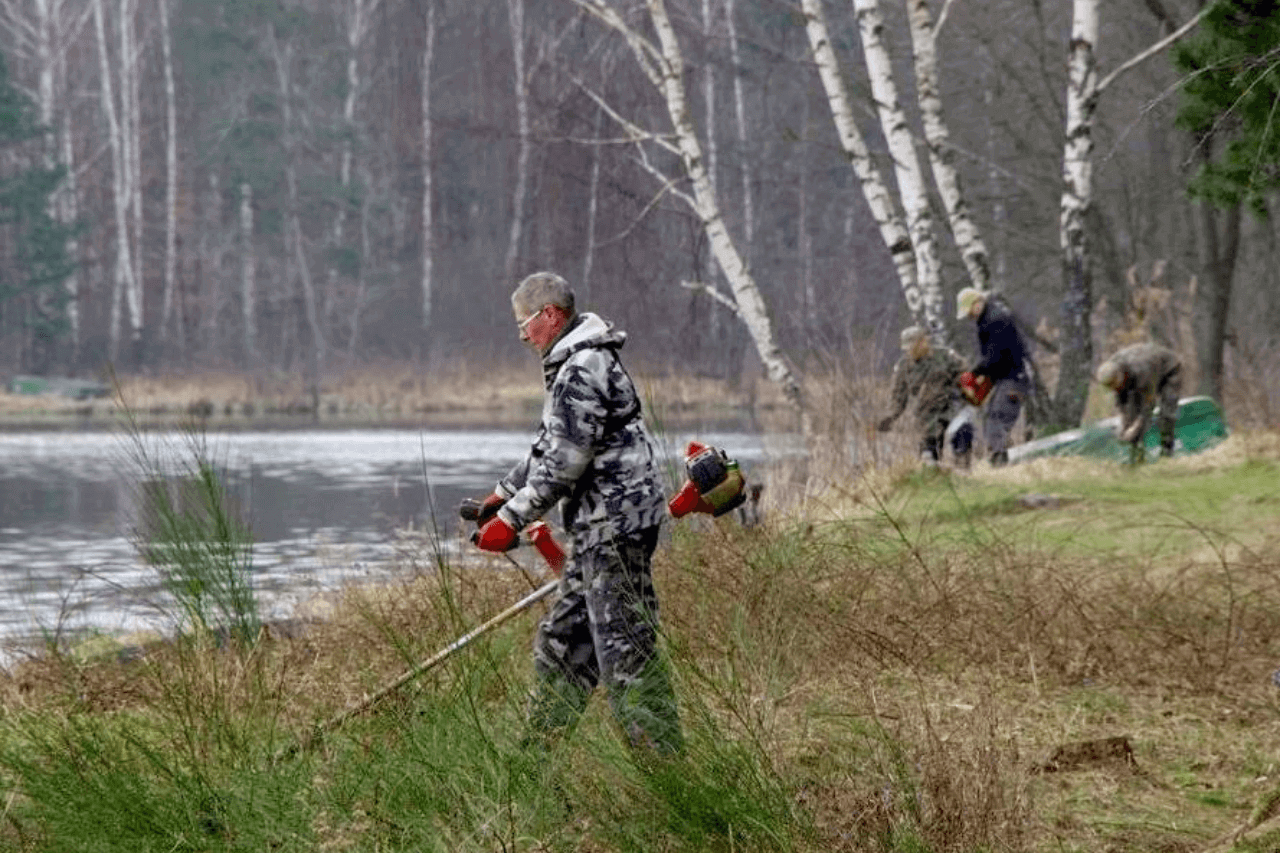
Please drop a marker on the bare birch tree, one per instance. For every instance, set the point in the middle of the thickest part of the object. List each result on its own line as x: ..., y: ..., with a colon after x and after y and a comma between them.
x: 295, y: 242
x: 663, y: 64
x: 358, y: 14
x: 740, y: 117
x: 906, y: 164
x: 171, y: 177
x: 131, y: 157
x: 428, y: 167
x: 941, y: 153
x: 515, y: 15
x: 248, y: 276
x: 709, y: 111
x: 593, y: 206
x: 874, y: 189
x: 124, y: 285
x: 1077, y: 196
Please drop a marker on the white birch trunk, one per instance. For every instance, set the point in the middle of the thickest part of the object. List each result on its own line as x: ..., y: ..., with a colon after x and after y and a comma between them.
x: 358, y: 14
x: 122, y: 282
x: 131, y: 161
x: 211, y: 251
x: 664, y: 66
x: 366, y: 248
x: 428, y: 165
x: 68, y: 211
x: 941, y: 154
x: 804, y: 242
x: 593, y: 204
x: 749, y: 303
x: 1077, y: 196
x: 515, y: 12
x: 906, y: 163
x: 740, y: 114
x: 995, y: 180
x: 45, y: 76
x: 284, y: 78
x: 709, y: 110
x: 248, y: 276
x: 874, y: 190
x: 171, y: 175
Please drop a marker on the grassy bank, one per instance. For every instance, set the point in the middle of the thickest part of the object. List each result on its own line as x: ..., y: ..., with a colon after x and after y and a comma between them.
x: 1059, y: 656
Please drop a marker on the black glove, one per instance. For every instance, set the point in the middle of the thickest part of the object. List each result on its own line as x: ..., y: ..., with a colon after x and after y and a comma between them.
x: 481, y: 511
x: 885, y: 425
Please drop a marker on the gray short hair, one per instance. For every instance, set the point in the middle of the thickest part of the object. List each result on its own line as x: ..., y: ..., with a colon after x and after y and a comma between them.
x: 539, y: 289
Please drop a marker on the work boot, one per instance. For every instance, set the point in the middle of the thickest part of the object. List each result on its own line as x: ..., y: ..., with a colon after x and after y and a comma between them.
x: 962, y: 461
x: 999, y: 458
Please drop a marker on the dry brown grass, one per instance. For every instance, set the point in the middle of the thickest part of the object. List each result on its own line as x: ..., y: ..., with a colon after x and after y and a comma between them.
x: 904, y: 686
x: 937, y: 677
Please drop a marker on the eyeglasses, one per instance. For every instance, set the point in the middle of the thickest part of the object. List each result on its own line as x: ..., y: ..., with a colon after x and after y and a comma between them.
x: 523, y: 324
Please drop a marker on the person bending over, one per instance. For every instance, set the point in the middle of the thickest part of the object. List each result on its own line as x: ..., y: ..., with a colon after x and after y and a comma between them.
x: 1142, y: 375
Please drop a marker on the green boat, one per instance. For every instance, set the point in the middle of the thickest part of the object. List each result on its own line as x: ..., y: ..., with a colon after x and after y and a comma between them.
x: 76, y: 389
x: 1200, y: 426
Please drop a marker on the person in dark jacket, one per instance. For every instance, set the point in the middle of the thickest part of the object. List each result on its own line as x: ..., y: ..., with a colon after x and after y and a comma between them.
x: 1142, y: 375
x: 1002, y: 357
x: 594, y: 457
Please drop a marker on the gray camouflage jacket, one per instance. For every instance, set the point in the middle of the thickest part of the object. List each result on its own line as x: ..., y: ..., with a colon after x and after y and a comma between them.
x: 592, y: 449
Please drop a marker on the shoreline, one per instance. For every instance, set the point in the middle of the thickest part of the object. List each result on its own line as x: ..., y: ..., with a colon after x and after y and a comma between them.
x: 706, y: 418
x: 374, y: 399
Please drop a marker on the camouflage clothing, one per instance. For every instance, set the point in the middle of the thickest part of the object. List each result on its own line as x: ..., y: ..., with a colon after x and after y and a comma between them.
x: 594, y: 455
x: 603, y: 628
x: 592, y: 449
x: 1147, y: 373
x: 931, y: 379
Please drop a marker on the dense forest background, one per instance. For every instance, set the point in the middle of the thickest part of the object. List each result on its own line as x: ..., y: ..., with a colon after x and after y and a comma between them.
x: 323, y: 184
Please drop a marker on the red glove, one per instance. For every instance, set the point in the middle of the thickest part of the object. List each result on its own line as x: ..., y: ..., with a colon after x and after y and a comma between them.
x: 489, y: 508
x: 495, y: 535
x: 540, y: 535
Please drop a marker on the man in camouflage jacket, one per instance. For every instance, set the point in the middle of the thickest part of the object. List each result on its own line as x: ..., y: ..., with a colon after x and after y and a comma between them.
x: 1140, y: 375
x: 594, y: 457
x: 930, y: 374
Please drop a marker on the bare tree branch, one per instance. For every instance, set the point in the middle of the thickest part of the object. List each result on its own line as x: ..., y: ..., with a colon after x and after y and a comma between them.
x: 637, y: 133
x: 1152, y: 51
x: 713, y: 292
x: 647, y: 53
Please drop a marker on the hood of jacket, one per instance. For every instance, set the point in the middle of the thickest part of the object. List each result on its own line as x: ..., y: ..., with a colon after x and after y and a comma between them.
x: 588, y: 330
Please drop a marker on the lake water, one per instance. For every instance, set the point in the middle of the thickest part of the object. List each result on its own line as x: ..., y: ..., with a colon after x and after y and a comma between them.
x: 326, y: 508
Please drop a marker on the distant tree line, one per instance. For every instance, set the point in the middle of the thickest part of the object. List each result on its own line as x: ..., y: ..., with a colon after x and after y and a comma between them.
x: 311, y: 185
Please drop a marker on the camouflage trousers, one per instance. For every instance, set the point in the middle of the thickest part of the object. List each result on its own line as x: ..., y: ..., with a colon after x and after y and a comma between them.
x: 1136, y: 410
x: 604, y: 629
